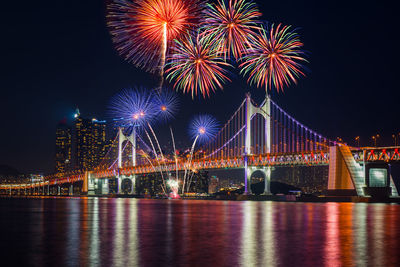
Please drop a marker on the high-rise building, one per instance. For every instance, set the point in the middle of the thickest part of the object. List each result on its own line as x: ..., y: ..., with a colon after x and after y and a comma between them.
x: 63, y: 147
x: 213, y: 186
x: 82, y: 142
x: 98, y: 144
x: 89, y: 142
x: 199, y: 182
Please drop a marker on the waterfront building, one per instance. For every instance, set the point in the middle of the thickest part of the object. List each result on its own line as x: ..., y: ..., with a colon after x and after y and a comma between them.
x: 82, y: 142
x: 213, y: 186
x: 199, y: 182
x: 35, y: 178
x: 98, y: 146
x: 63, y: 151
x: 149, y: 184
x: 89, y: 142
x: 309, y: 180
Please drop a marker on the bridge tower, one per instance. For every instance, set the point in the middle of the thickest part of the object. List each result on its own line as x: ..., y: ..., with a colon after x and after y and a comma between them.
x: 132, y: 139
x: 265, y: 111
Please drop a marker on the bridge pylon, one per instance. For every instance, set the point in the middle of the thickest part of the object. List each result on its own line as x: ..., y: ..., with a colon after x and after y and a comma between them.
x: 132, y: 139
x: 265, y: 111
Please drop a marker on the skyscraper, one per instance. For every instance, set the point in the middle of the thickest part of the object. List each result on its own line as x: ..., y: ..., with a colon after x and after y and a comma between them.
x: 63, y: 147
x: 98, y: 142
x: 89, y: 142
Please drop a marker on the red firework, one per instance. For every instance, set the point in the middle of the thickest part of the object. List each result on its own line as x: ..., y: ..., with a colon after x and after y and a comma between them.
x: 143, y: 29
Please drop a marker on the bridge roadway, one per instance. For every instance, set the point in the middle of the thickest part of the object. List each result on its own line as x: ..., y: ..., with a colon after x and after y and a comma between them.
x: 318, y: 158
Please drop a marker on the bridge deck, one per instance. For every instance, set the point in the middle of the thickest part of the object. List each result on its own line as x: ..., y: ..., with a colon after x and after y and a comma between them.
x: 318, y: 158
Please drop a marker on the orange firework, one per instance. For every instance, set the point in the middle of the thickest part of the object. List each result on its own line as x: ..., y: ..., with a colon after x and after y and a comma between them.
x: 144, y: 29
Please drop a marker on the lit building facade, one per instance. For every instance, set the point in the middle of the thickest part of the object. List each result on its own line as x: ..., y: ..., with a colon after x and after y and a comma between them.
x: 99, y: 146
x: 213, y: 186
x: 63, y: 151
x: 89, y: 142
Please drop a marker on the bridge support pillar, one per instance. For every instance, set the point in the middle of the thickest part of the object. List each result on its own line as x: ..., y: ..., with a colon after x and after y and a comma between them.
x: 91, y: 187
x: 104, y: 187
x: 71, y: 190
x: 58, y: 190
x: 119, y: 182
x: 133, y: 184
x: 267, y: 181
x: 85, y: 184
x: 378, y: 181
x: 346, y: 176
x: 247, y: 180
x: 265, y: 111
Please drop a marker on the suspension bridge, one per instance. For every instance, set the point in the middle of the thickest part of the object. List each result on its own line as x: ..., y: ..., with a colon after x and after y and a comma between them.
x: 255, y: 138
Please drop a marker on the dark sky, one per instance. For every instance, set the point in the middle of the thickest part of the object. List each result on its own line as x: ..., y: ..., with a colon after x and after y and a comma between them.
x: 58, y: 54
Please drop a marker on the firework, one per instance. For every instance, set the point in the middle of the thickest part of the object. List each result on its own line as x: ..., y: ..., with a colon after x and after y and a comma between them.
x: 197, y: 66
x: 204, y: 127
x: 132, y: 107
x: 143, y: 29
x: 173, y: 184
x: 274, y: 59
x: 231, y: 25
x: 166, y: 104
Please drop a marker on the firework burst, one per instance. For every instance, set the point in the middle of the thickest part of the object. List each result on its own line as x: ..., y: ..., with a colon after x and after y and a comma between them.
x: 197, y: 66
x: 204, y: 127
x: 143, y: 29
x: 166, y: 104
x: 131, y: 108
x: 231, y: 25
x: 274, y: 59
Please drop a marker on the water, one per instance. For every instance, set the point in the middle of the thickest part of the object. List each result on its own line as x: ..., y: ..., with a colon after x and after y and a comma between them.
x: 130, y: 232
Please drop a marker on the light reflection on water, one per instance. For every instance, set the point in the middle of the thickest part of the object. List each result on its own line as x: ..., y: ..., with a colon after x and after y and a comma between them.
x: 332, y: 244
x: 248, y: 242
x: 268, y: 242
x: 360, y: 234
x: 94, y: 247
x: 132, y: 232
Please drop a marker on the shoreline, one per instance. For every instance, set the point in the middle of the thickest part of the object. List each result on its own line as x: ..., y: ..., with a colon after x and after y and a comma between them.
x: 274, y: 198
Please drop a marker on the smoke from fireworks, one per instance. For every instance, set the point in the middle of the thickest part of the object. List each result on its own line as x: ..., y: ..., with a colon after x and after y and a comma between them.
x: 143, y: 29
x: 197, y: 66
x: 231, y: 25
x: 274, y: 59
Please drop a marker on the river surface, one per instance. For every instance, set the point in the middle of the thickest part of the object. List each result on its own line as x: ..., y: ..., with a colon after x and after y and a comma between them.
x: 141, y: 232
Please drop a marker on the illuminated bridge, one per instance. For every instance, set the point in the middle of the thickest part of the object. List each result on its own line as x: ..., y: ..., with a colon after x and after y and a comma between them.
x: 256, y: 137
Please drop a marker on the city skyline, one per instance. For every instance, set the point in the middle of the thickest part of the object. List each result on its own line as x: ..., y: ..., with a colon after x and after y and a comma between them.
x: 199, y: 133
x: 72, y: 62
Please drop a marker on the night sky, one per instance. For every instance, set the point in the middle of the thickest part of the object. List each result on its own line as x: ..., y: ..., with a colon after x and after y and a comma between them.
x: 58, y: 55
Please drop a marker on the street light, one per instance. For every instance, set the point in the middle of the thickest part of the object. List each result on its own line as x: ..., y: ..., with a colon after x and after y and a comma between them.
x: 394, y: 139
x: 358, y: 141
x: 374, y: 140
